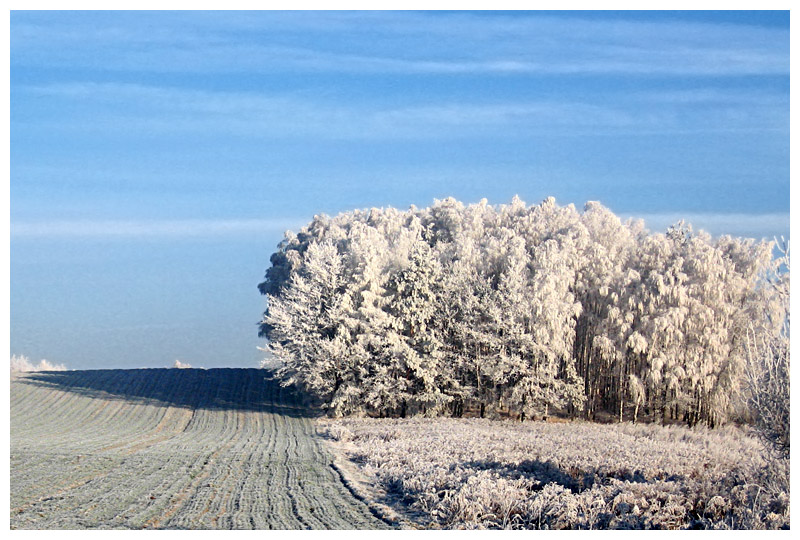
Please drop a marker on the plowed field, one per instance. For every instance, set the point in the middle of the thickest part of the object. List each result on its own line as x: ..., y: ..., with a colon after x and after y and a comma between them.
x: 171, y: 449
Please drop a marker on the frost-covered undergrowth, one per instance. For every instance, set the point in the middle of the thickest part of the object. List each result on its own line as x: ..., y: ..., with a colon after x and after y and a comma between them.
x: 474, y: 473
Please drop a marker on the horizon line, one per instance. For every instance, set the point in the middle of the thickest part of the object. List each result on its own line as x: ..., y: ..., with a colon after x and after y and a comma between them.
x: 716, y: 223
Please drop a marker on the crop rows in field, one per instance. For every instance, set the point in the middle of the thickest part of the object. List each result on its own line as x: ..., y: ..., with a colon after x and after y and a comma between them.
x: 169, y: 448
x: 474, y: 473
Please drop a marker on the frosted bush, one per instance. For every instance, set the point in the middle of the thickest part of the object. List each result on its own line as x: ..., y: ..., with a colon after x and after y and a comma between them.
x: 478, y: 473
x: 21, y: 364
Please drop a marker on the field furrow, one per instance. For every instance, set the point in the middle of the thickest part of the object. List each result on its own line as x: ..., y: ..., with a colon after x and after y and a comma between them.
x: 170, y: 449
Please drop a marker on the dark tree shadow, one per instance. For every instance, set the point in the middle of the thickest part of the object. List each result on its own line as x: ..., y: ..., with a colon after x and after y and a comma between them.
x: 223, y: 388
x: 544, y: 472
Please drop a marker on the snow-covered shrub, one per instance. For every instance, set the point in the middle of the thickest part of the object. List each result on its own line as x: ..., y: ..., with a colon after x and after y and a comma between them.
x: 20, y: 364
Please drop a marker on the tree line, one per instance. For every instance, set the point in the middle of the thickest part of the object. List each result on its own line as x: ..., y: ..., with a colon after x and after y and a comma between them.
x: 517, y: 309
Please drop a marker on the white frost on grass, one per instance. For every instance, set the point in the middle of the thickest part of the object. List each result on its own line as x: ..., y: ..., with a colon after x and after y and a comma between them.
x: 476, y: 473
x: 21, y: 364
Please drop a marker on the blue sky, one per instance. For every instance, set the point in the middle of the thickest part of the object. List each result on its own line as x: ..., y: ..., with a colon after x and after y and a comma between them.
x: 156, y: 158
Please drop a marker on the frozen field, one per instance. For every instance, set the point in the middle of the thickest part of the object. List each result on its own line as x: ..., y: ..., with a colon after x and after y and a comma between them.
x: 170, y: 448
x: 474, y: 473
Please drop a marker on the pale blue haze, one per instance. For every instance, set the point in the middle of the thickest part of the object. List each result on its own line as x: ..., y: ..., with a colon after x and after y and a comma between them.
x: 156, y: 158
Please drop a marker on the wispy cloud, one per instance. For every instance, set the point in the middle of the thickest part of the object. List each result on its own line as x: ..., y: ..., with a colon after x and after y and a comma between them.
x: 168, y: 110
x: 410, y: 43
x: 152, y: 228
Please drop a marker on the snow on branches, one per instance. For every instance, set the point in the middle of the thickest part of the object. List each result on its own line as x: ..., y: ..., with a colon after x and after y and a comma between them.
x: 516, y: 309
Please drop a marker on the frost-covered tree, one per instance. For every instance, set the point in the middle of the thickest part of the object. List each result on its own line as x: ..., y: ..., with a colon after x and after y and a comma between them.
x: 602, y: 286
x: 767, y: 364
x: 517, y: 309
x: 305, y: 324
x: 414, y: 293
x: 767, y: 388
x: 537, y: 308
